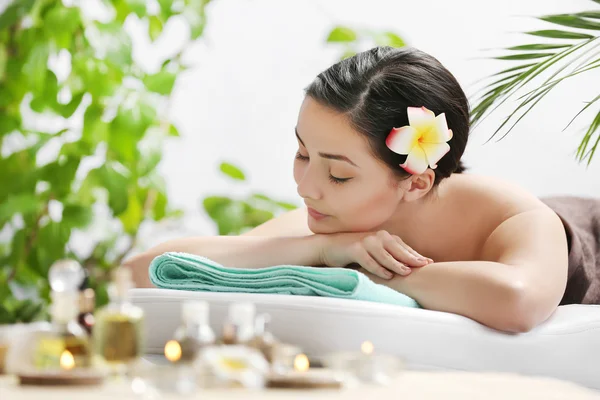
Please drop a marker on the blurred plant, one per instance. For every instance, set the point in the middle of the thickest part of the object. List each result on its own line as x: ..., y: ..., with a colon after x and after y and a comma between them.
x: 567, y: 51
x: 353, y: 41
x: 235, y: 216
x: 107, y: 109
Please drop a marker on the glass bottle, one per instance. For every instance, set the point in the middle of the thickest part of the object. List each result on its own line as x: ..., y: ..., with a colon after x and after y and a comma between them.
x: 118, y: 330
x: 239, y: 326
x: 264, y: 340
x: 87, y: 304
x: 195, y: 332
x: 65, y: 345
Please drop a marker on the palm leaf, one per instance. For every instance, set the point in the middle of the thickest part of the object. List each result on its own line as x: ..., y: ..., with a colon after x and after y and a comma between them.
x: 558, y: 34
x: 576, y: 53
x: 525, y: 77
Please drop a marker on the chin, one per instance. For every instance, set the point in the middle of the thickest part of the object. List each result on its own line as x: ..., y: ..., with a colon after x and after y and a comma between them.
x: 324, y: 227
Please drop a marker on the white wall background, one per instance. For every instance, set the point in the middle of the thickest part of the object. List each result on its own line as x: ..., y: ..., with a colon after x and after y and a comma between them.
x: 239, y: 101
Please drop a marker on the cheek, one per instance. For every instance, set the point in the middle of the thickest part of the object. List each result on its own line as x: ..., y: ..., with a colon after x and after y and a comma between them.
x: 298, y: 170
x: 368, y: 209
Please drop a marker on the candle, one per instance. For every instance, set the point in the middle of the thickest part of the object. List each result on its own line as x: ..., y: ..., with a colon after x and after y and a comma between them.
x: 301, y: 363
x: 173, y: 351
x: 67, y: 361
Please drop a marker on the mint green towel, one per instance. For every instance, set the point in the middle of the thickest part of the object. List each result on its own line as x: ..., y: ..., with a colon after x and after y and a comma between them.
x: 184, y: 271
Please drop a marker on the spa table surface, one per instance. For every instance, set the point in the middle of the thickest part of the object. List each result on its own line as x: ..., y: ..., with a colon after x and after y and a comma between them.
x: 409, y: 385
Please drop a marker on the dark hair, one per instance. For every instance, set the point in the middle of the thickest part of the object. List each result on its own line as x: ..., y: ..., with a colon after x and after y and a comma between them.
x: 374, y: 89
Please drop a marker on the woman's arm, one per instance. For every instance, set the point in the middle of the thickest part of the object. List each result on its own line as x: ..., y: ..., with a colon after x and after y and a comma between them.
x: 285, y: 239
x: 517, y: 285
x: 234, y: 251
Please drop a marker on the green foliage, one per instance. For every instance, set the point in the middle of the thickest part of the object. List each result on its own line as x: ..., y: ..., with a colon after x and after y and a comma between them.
x: 353, y: 41
x: 568, y: 53
x: 235, y: 216
x: 117, y: 119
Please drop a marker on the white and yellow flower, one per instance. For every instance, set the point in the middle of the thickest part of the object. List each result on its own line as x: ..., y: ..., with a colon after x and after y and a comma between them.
x: 423, y: 140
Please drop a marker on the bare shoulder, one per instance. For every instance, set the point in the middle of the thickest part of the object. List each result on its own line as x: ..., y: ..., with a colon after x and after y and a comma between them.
x: 494, y: 195
x: 519, y: 222
x: 291, y: 223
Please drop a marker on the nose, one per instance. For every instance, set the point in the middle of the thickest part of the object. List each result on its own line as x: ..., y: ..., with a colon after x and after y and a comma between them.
x: 307, y: 186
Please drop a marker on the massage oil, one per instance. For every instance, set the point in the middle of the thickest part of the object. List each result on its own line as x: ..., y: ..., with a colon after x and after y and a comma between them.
x: 118, y: 331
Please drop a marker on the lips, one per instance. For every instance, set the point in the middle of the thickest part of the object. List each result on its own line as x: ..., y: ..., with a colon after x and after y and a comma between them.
x: 315, y: 214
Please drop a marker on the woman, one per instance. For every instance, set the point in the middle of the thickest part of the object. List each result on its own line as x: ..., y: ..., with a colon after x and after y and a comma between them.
x: 380, y: 138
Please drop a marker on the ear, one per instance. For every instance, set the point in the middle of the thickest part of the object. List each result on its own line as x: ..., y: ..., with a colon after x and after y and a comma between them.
x: 417, y: 186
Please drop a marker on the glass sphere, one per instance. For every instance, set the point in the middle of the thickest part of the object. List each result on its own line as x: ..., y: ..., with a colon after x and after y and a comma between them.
x: 66, y: 275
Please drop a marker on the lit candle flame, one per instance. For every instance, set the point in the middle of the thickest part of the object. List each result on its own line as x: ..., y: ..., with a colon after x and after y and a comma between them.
x: 173, y: 350
x: 367, y: 347
x: 301, y: 363
x: 67, y: 361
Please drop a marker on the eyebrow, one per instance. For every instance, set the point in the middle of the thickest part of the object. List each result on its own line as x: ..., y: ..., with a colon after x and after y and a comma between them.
x: 329, y: 156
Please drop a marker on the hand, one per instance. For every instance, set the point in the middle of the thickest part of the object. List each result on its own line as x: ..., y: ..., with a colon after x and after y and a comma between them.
x: 377, y: 252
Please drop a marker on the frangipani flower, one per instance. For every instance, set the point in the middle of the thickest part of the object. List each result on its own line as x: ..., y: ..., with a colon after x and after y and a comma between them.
x: 423, y: 140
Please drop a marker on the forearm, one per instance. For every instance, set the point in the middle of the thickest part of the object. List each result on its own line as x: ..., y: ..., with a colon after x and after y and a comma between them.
x: 488, y: 292
x: 234, y: 251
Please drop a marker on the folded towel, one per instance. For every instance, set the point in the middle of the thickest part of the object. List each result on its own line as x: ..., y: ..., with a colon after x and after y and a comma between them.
x: 184, y: 271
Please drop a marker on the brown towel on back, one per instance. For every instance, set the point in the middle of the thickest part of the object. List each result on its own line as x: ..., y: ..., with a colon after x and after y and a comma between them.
x: 581, y: 218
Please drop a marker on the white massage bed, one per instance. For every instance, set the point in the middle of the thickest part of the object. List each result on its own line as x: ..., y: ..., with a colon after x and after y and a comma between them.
x: 567, y: 346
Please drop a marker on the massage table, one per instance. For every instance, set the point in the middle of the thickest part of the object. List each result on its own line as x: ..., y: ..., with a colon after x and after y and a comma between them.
x: 566, y: 346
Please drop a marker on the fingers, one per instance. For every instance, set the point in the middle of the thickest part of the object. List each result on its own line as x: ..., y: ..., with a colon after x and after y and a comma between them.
x: 418, y: 259
x: 368, y: 262
x: 376, y: 246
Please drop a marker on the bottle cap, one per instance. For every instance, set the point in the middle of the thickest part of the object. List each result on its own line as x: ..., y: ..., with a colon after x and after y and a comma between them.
x: 87, y: 300
x: 242, y: 313
x: 195, y: 312
x: 65, y: 275
x: 64, y: 306
x: 262, y: 321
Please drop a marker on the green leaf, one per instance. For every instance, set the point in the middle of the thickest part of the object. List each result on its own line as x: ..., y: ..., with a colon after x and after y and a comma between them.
x: 52, y: 241
x: 3, y: 59
x: 589, y: 14
x: 138, y: 7
x: 24, y: 203
x: 395, y: 40
x: 149, y: 162
x: 173, y: 131
x: 133, y: 215
x: 117, y: 185
x: 347, y: 54
x: 540, y: 46
x: 128, y: 127
x: 60, y: 174
x: 159, y: 211
x: 572, y: 21
x: 161, y: 82
x: 94, y: 129
x: 77, y: 216
x: 341, y: 34
x: 196, y: 22
x: 14, y: 12
x: 232, y: 171
x: 115, y: 43
x: 35, y: 67
x: 287, y: 206
x: 524, y: 56
x: 67, y: 110
x: 8, y: 124
x: 60, y: 23
x: 155, y: 27
x: 559, y: 34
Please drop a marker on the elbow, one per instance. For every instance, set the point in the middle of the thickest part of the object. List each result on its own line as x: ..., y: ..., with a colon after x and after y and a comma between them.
x: 524, y: 311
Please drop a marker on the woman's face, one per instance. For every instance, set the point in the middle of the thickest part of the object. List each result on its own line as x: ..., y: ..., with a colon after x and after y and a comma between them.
x: 345, y: 188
